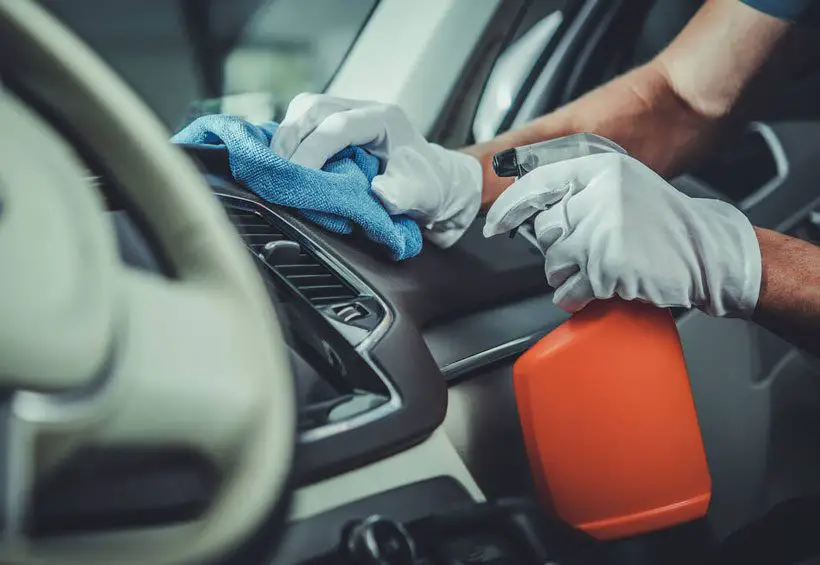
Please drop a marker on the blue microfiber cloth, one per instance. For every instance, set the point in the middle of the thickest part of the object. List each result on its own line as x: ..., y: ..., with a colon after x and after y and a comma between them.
x: 335, y: 198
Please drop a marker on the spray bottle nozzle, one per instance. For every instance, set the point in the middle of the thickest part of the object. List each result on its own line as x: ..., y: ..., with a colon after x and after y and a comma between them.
x: 505, y: 163
x: 519, y: 161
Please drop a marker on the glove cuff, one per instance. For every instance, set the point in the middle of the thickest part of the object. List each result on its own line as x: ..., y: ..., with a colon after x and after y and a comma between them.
x: 459, y: 211
x: 750, y: 290
x: 734, y: 289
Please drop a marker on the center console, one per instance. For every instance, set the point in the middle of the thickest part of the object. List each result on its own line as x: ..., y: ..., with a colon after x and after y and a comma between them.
x: 435, y: 522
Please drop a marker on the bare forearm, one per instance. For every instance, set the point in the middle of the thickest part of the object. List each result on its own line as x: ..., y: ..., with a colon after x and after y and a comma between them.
x: 789, y: 303
x: 638, y: 110
x: 726, y: 58
x: 670, y: 112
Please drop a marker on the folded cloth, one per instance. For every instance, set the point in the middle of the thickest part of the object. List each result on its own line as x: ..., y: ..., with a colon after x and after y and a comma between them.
x: 335, y: 198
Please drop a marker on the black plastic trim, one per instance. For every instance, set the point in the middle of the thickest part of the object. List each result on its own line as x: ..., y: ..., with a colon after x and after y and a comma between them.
x: 320, y: 534
x: 594, y: 61
x: 477, y: 341
x: 401, y: 355
x: 453, y: 126
x: 570, y: 11
x: 404, y: 357
x: 579, y: 48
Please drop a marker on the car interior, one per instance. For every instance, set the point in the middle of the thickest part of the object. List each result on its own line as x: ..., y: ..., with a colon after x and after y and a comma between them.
x: 191, y: 374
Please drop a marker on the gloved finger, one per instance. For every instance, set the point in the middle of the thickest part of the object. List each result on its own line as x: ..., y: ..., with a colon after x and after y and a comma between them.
x: 337, y: 131
x: 575, y: 293
x: 550, y: 225
x: 560, y: 263
x: 544, y: 186
x: 399, y: 188
x: 304, y: 114
x: 530, y: 194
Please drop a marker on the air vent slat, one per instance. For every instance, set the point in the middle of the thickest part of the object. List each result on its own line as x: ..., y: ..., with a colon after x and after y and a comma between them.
x: 311, y: 279
x: 292, y: 270
x: 322, y: 288
x: 314, y: 280
x: 328, y: 300
x: 262, y: 238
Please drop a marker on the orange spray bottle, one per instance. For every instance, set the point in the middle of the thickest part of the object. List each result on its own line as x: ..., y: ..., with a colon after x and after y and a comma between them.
x: 605, y: 404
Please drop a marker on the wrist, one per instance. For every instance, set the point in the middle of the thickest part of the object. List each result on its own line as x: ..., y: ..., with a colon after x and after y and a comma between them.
x: 752, y: 271
x: 642, y: 112
x: 491, y: 185
x: 666, y: 131
x: 730, y: 263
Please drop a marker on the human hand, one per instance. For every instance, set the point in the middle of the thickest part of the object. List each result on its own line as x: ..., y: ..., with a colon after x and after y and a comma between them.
x: 437, y: 187
x: 610, y: 226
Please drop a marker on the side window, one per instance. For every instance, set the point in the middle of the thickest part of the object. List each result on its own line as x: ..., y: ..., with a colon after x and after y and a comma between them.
x: 513, y: 67
x: 504, y: 58
x: 248, y: 57
x: 562, y: 52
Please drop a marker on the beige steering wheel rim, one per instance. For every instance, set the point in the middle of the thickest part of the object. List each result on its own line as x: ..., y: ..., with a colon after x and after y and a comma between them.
x: 214, y: 324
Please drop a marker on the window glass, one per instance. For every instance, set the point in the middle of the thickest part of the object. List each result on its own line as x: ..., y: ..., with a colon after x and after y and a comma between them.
x: 517, y: 61
x: 181, y: 55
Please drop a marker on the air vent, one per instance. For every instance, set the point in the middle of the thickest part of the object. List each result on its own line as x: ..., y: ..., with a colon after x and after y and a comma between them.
x: 301, y: 268
x: 254, y: 229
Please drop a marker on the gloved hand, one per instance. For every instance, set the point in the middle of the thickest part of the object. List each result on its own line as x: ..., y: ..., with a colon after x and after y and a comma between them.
x: 437, y: 187
x: 609, y: 226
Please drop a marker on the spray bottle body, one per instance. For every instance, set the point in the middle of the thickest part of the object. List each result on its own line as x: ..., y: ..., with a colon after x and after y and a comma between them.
x: 606, y: 409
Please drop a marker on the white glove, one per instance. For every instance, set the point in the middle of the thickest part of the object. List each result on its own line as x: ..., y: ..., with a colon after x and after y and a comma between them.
x: 437, y: 187
x: 609, y: 226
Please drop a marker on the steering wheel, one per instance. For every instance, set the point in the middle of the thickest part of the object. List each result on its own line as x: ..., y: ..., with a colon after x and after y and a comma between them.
x: 96, y: 355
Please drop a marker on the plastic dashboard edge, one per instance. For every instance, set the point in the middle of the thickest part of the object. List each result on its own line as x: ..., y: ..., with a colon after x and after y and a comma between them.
x: 363, y: 348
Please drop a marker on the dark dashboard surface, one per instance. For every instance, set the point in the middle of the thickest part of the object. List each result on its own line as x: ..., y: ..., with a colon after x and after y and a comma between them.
x: 444, y: 306
x: 437, y: 300
x: 440, y: 285
x: 480, y: 302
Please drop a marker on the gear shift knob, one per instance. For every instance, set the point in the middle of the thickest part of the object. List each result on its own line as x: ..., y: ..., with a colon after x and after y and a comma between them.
x: 378, y: 541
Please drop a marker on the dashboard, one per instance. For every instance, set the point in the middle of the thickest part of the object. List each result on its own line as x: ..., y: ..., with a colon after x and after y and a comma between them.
x: 374, y: 346
x: 371, y: 339
x: 402, y: 373
x: 389, y: 357
x: 386, y: 356
x: 380, y: 349
x: 456, y: 321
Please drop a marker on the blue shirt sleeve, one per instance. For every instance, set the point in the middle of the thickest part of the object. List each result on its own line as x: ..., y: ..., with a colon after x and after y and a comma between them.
x: 791, y: 10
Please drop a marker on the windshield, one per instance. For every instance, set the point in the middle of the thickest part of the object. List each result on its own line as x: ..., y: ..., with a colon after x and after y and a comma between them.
x: 246, y: 57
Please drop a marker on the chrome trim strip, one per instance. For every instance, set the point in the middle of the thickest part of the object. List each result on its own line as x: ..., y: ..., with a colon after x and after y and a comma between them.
x: 493, y: 355
x: 363, y: 348
x: 780, y: 159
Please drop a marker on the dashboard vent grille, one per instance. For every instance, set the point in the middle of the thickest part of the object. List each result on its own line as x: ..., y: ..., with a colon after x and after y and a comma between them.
x: 254, y: 229
x: 306, y: 272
